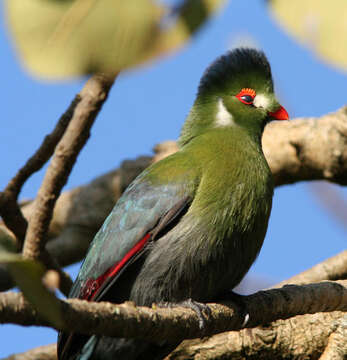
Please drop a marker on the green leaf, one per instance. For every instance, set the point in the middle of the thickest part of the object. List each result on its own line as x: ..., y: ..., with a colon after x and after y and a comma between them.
x: 65, y: 38
x: 28, y: 276
x: 70, y: 38
x: 320, y: 25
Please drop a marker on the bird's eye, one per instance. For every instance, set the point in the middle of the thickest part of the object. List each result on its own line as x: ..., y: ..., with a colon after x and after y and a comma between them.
x: 247, y: 99
x: 246, y: 96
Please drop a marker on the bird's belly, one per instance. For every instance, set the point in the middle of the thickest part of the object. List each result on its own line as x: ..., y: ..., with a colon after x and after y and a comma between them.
x: 189, y: 264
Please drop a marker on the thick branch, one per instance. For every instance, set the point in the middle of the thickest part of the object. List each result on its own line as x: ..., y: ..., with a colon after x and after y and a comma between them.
x: 281, y: 335
x: 337, y: 344
x: 304, y: 336
x: 126, y: 320
x: 77, y: 133
x: 283, y: 339
x: 308, y: 149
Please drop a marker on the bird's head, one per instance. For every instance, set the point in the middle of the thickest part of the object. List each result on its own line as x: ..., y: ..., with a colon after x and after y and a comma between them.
x: 235, y: 90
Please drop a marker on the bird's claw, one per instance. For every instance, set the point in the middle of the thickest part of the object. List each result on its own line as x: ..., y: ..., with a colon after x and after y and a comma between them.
x: 202, y: 310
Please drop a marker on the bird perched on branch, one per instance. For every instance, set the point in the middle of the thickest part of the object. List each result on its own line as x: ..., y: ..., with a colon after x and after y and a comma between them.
x: 191, y: 225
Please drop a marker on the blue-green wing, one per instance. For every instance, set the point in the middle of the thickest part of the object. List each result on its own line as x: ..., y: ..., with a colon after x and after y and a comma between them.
x: 140, y: 214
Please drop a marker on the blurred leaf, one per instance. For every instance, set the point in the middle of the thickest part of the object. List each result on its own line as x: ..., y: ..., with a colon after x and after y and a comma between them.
x: 70, y: 38
x: 6, y: 240
x: 28, y: 276
x: 190, y: 16
x: 64, y: 38
x: 319, y: 24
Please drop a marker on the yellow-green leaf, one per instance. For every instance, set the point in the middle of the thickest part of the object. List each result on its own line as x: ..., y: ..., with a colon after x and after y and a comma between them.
x: 75, y: 37
x: 191, y: 15
x: 7, y: 242
x: 65, y: 38
x: 28, y: 276
x: 319, y: 24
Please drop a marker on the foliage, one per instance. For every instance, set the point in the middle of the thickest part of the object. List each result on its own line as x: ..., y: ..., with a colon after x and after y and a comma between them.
x: 318, y: 24
x: 59, y: 39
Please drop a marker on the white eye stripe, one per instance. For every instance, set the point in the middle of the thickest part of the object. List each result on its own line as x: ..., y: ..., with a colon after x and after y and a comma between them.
x: 223, y: 117
x: 262, y: 101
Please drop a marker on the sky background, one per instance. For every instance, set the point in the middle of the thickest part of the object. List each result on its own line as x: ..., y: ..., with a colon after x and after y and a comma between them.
x: 149, y: 105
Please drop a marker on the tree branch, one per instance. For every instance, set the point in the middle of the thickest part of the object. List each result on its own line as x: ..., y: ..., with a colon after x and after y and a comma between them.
x: 46, y: 352
x: 278, y: 340
x: 308, y: 149
x: 77, y: 133
x: 304, y: 336
x: 9, y: 208
x: 283, y: 339
x: 337, y: 344
x: 334, y: 268
x: 176, y: 324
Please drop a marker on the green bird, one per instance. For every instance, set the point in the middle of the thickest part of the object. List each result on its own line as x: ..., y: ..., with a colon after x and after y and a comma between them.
x: 191, y: 225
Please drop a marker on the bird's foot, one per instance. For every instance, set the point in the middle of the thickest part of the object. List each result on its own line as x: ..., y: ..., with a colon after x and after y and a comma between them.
x: 202, y: 310
x: 238, y: 299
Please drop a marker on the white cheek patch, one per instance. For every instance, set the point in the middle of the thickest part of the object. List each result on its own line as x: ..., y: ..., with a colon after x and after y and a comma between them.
x: 223, y: 117
x: 261, y: 101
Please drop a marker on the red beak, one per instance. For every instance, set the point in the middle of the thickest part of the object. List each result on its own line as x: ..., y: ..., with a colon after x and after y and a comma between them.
x: 280, y: 114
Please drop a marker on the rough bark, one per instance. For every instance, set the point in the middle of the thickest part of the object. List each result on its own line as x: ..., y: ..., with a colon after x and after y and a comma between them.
x: 301, y: 337
x: 281, y: 339
x: 127, y: 320
x: 288, y: 333
x: 308, y: 149
x: 336, y: 348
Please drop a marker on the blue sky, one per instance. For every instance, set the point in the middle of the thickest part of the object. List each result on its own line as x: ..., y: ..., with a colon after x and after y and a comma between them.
x: 149, y: 105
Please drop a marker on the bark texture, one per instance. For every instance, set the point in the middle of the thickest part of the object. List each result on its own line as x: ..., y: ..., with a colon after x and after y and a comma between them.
x: 127, y: 320
x: 302, y: 337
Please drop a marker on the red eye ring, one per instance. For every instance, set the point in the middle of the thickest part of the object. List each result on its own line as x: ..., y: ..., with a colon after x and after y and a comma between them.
x: 246, y: 96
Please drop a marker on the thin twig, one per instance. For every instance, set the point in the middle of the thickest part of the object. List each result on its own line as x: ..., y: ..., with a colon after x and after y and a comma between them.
x: 76, y: 135
x: 65, y: 282
x: 9, y: 209
x: 46, y: 352
x: 334, y: 268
